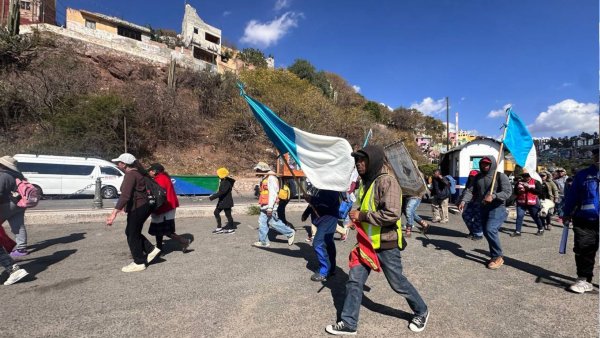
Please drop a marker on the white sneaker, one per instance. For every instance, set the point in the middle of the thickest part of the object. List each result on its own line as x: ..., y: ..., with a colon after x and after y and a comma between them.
x: 16, y: 275
x: 132, y: 267
x: 581, y: 286
x: 152, y: 255
x: 291, y: 238
x: 260, y: 244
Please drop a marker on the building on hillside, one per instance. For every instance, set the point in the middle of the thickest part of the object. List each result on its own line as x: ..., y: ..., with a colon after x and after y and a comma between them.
x: 103, y: 25
x: 465, y: 136
x: 423, y: 142
x: 203, y: 39
x: 30, y: 11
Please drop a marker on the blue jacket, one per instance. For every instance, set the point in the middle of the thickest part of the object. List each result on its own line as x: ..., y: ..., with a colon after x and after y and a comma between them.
x: 577, y: 202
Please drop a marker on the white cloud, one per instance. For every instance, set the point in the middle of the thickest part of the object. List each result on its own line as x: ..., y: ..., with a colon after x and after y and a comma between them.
x: 567, y: 117
x: 463, y: 98
x: 226, y: 13
x: 430, y: 106
x: 385, y: 105
x: 281, y: 4
x: 267, y: 34
x: 567, y: 84
x: 498, y: 112
x: 356, y: 88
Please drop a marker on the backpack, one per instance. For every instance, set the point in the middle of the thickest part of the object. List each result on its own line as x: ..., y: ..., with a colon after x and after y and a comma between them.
x: 452, y: 182
x: 155, y: 194
x: 284, y: 193
x: 588, y: 208
x: 27, y: 195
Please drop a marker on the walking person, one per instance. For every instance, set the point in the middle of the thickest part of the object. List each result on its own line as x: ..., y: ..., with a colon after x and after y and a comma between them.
x: 9, y: 211
x: 284, y: 196
x: 547, y: 200
x: 489, y: 205
x: 441, y: 195
x: 582, y: 207
x: 267, y: 201
x: 379, y: 216
x: 224, y: 203
x: 163, y: 219
x: 560, y: 181
x: 134, y: 202
x: 527, y: 190
x: 471, y: 214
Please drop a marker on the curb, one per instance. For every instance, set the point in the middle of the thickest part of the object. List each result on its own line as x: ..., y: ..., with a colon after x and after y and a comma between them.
x: 99, y: 216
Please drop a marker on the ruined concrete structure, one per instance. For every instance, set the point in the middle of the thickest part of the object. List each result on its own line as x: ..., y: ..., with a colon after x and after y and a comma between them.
x: 203, y: 39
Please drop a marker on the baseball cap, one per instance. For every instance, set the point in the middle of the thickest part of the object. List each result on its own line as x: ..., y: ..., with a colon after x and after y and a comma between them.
x: 126, y: 158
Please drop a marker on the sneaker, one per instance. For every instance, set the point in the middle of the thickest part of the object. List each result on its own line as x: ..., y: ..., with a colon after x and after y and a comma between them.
x: 291, y: 238
x: 408, y: 232
x: 132, y: 267
x: 539, y: 233
x: 580, y: 286
x: 418, y: 323
x: 309, y: 239
x: 340, y: 329
x: 476, y: 238
x: 495, y: 263
x: 152, y: 255
x: 444, y: 221
x: 218, y: 231
x: 470, y: 235
x: 424, y: 228
x: 547, y: 227
x: 16, y: 275
x: 317, y: 277
x: 261, y: 244
x: 18, y: 253
x: 229, y: 231
x: 437, y: 220
x: 515, y: 234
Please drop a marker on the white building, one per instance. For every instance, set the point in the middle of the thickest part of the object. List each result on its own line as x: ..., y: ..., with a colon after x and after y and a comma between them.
x: 459, y: 161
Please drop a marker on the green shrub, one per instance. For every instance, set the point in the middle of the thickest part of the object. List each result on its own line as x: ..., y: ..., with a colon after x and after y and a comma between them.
x: 253, y: 210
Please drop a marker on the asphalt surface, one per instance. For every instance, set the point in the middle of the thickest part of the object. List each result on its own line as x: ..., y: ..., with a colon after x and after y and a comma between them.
x: 226, y: 288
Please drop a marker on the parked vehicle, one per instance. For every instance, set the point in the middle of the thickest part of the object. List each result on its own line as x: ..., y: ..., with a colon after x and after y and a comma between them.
x: 64, y: 175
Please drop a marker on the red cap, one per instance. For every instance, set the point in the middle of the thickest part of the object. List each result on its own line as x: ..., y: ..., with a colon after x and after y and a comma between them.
x: 473, y: 173
x: 486, y: 160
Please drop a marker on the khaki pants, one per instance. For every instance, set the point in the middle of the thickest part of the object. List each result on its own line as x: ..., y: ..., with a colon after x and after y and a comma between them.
x: 440, y: 210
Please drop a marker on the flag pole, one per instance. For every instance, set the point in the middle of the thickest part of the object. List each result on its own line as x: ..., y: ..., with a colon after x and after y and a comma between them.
x: 297, y: 182
x: 501, y: 151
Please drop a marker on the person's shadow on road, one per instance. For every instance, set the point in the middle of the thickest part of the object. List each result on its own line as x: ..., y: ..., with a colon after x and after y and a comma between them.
x: 452, y: 247
x: 36, y: 265
x: 74, y: 237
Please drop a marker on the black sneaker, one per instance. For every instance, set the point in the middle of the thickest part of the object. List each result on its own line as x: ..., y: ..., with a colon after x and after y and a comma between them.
x: 515, y: 234
x: 228, y: 231
x: 317, y: 277
x: 418, y: 323
x: 218, y: 231
x: 340, y: 329
x: 476, y: 238
x: 539, y: 233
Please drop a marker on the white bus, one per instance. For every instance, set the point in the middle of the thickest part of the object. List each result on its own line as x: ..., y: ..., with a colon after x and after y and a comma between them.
x: 64, y: 175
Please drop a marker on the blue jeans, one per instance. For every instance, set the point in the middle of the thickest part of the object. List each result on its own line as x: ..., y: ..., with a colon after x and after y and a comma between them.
x: 491, y: 220
x: 534, y: 211
x: 472, y: 217
x: 275, y: 223
x: 411, y: 211
x: 323, y: 244
x: 391, y: 264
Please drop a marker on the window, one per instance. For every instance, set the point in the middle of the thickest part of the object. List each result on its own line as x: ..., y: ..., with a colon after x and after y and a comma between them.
x: 55, y: 169
x: 475, y: 162
x: 90, y: 24
x: 205, y: 56
x: 195, y: 30
x: 212, y: 38
x: 110, y: 171
x: 26, y: 5
x: 129, y: 33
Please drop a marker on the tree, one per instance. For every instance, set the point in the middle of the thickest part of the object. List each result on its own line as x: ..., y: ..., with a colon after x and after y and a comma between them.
x: 375, y: 110
x: 306, y: 71
x: 254, y: 57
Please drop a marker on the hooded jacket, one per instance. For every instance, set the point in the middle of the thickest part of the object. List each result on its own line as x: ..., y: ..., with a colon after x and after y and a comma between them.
x: 482, y: 184
x: 224, y: 193
x: 386, y: 193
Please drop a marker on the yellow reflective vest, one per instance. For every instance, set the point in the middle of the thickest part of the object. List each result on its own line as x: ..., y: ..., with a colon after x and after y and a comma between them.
x: 367, y: 204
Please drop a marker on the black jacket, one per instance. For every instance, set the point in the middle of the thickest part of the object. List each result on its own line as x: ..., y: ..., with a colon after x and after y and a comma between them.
x: 441, y: 188
x: 224, y: 193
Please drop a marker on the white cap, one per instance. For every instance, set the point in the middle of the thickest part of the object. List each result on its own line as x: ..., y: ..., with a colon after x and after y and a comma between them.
x: 126, y: 158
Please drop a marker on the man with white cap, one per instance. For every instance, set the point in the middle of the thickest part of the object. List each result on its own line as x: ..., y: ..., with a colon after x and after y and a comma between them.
x: 9, y: 211
x: 267, y: 200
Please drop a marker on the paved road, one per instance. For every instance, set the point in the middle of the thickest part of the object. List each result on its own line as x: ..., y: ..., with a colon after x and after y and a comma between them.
x: 226, y: 288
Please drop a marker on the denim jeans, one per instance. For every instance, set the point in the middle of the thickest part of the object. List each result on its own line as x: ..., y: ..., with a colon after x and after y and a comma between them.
x: 411, y: 211
x: 534, y: 211
x: 275, y: 223
x: 491, y: 220
x: 16, y: 219
x: 323, y: 244
x: 472, y: 217
x: 391, y: 264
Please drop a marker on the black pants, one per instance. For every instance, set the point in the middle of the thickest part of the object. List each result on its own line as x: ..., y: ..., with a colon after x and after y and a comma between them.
x: 281, y: 210
x: 227, y: 214
x: 586, y: 246
x: 138, y: 244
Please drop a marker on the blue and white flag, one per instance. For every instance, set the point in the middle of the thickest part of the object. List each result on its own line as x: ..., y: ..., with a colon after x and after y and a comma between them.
x: 520, y: 143
x: 325, y: 160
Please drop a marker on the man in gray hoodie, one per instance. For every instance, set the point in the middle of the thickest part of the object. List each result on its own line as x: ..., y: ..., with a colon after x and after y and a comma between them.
x: 490, y: 205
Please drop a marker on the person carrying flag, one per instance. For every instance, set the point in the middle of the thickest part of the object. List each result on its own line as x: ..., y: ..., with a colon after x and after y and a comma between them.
x: 379, y: 215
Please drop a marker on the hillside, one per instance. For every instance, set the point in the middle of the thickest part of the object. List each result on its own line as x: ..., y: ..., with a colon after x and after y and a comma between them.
x: 61, y: 96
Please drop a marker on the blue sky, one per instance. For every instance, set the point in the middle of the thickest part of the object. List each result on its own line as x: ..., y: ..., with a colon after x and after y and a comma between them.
x: 541, y: 56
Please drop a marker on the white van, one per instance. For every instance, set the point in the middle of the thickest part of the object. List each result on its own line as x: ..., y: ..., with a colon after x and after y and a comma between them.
x: 64, y: 175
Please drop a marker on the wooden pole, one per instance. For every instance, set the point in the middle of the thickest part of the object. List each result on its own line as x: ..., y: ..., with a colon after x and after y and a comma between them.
x: 500, y: 155
x: 298, y: 183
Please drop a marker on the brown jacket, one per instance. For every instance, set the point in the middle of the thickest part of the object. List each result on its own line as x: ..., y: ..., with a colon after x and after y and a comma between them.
x: 133, y: 193
x: 387, y: 194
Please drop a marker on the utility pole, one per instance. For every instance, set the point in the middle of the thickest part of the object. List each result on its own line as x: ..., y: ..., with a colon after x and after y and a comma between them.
x: 447, y: 124
x: 14, y: 16
x: 125, y: 132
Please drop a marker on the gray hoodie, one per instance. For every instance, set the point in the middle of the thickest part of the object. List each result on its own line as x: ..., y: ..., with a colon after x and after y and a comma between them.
x: 482, y: 183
